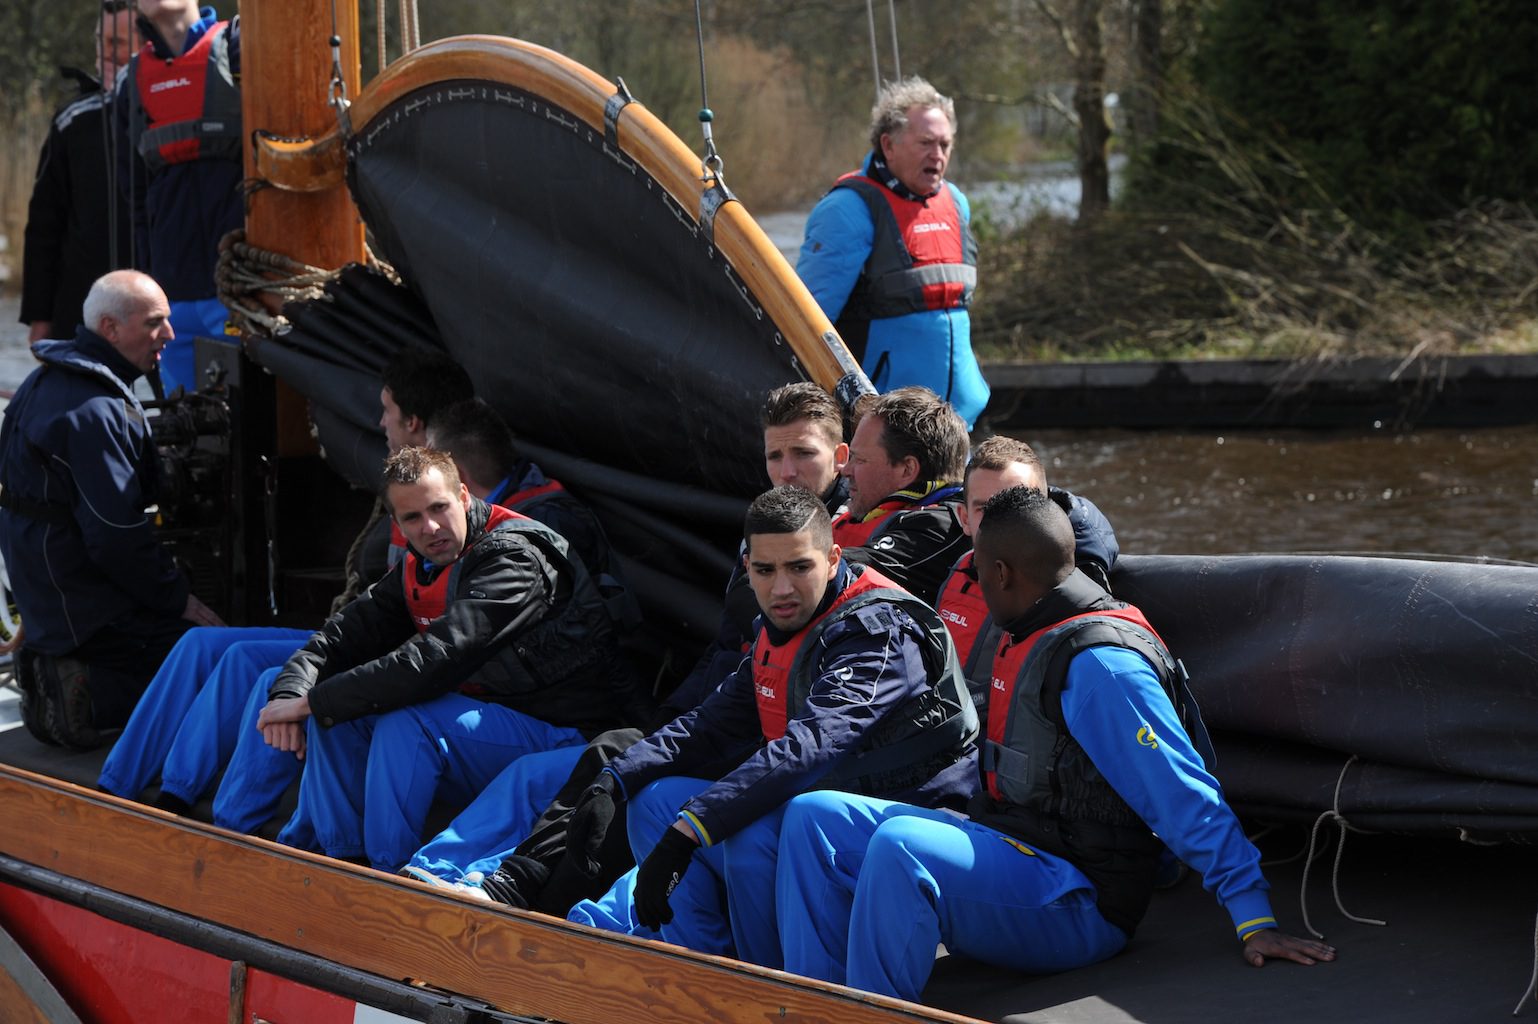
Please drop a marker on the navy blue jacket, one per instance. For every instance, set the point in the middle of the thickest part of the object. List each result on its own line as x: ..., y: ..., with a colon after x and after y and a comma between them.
x: 862, y: 677
x: 180, y: 212
x: 75, y: 445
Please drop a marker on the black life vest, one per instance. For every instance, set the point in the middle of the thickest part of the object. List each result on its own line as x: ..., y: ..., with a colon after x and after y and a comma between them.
x: 1044, y: 786
x: 917, y: 740
x: 187, y: 108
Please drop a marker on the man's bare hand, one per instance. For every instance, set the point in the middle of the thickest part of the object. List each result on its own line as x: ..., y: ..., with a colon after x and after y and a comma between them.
x: 40, y: 329
x: 199, y: 614
x: 14, y: 643
x: 1270, y: 944
x: 282, y: 724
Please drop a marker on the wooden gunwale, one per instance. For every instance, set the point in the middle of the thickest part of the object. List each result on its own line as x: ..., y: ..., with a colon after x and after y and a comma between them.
x: 520, y: 962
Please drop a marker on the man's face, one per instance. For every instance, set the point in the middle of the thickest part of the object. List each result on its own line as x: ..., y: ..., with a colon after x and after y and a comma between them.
x: 432, y: 515
x: 1007, y: 594
x: 115, y: 44
x: 985, y: 483
x: 169, y: 11
x: 872, y: 475
x: 919, y: 154
x: 399, y: 430
x: 143, y: 331
x: 789, y: 573
x: 802, y: 455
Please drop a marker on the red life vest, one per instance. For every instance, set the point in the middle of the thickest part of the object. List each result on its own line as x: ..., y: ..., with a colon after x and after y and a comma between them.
x: 923, y: 255
x: 187, y: 108
x: 1018, y: 681
x: 772, y: 664
x: 397, y: 549
x: 522, y: 501
x: 849, y: 532
x: 976, y: 636
x: 425, y: 602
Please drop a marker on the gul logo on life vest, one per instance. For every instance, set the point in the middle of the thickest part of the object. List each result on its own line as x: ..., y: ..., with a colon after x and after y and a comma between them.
x: 998, y: 684
x: 923, y: 228
x: 170, y: 83
x: 766, y: 692
x: 1147, y: 738
x: 956, y: 617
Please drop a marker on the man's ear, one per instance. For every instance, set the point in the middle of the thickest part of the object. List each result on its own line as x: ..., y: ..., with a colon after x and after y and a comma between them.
x: 909, y: 474
x: 835, y: 553
x: 414, y: 425
x: 841, y: 456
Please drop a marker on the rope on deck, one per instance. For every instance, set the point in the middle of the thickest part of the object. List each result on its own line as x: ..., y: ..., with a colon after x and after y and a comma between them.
x: 1333, y: 814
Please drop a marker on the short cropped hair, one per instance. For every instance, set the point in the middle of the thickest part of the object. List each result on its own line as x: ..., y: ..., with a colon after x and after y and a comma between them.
x: 117, y: 294
x: 890, y: 114
x: 803, y: 400
x: 422, y: 381
x: 788, y: 509
x: 919, y: 423
x: 998, y: 453
x: 478, y: 438
x: 1033, y: 529
x: 411, y: 464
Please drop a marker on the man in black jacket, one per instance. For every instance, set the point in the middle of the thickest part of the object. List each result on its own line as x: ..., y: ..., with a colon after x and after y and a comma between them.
x: 906, y: 462
x: 77, y: 222
x: 487, y: 642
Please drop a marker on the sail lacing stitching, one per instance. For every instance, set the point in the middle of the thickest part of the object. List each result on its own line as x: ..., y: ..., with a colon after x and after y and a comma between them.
x: 1333, y: 814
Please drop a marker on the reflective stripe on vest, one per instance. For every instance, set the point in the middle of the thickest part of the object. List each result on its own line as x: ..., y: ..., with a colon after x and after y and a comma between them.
x: 972, y: 629
x: 923, y: 255
x: 189, y: 107
x: 1024, y: 744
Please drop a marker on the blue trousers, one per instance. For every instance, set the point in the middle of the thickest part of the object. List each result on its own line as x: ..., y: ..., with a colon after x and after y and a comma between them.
x: 370, y: 782
x: 488, y: 831
x: 191, y: 708
x: 614, y: 911
x: 709, y: 915
x: 867, y: 890
x: 258, y: 775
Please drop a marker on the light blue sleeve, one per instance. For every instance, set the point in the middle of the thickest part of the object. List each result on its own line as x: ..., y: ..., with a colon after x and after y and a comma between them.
x: 1116, y: 709
x: 839, y: 235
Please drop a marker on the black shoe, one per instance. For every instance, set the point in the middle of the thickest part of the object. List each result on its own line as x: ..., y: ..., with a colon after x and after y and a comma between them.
x: 173, y: 803
x: 516, y: 882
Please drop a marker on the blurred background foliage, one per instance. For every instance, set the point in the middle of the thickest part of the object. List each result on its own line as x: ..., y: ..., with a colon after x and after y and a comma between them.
x: 1303, y: 179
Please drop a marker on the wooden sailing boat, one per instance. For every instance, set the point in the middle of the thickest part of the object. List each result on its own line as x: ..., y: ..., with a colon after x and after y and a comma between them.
x: 108, y: 899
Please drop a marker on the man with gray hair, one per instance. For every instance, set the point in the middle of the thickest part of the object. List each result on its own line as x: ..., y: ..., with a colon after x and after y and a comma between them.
x: 889, y: 257
x: 100, y: 598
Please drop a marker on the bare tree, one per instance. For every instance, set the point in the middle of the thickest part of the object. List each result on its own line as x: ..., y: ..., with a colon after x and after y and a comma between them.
x: 1147, y: 84
x: 1080, y: 31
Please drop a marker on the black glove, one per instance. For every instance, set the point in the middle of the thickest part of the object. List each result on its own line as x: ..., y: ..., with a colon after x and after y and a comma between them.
x: 590, y: 821
x: 659, y: 875
x: 516, y: 881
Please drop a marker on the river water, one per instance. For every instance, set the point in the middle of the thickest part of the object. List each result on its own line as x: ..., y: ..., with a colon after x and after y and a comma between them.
x: 1446, y: 492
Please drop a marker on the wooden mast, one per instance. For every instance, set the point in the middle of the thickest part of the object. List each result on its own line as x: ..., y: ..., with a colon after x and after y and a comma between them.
x: 286, y: 72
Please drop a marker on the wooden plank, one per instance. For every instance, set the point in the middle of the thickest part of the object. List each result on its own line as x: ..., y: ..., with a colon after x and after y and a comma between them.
x: 520, y: 962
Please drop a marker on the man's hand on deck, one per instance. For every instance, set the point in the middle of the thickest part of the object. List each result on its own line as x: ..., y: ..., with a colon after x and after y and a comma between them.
x: 282, y: 724
x: 1270, y: 944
